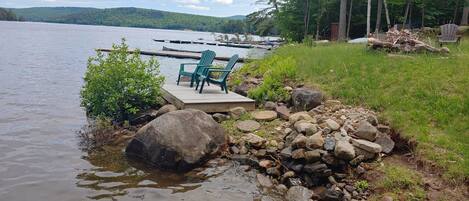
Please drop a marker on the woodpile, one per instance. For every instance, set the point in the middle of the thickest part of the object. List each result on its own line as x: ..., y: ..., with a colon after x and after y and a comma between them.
x: 403, y: 41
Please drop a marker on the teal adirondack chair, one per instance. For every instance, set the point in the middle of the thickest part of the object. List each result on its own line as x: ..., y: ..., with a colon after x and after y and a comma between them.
x: 205, y: 61
x: 206, y: 75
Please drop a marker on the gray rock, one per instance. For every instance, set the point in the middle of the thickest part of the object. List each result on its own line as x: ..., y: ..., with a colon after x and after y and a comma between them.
x: 357, y: 160
x: 283, y: 112
x: 166, y: 108
x: 269, y: 105
x: 236, y: 112
x: 264, y: 181
x: 248, y: 126
x: 300, y: 116
x: 299, y: 141
x: 298, y: 154
x: 305, y: 99
x: 313, y: 156
x: 243, y: 89
x: 305, y: 127
x: 372, y: 120
x: 254, y: 140
x: 331, y: 103
x: 315, y: 141
x: 286, y: 152
x: 144, y: 117
x: 294, y: 181
x: 329, y: 143
x: 265, y: 115
x: 273, y: 171
x: 282, y: 189
x: 288, y: 174
x: 333, y: 195
x: 384, y: 129
x: 366, y: 131
x: 234, y: 150
x: 169, y: 142
x: 298, y: 193
x: 344, y: 150
x: 315, y: 168
x: 367, y: 146
x: 366, y: 154
x: 220, y: 117
x: 385, y: 141
x: 333, y: 125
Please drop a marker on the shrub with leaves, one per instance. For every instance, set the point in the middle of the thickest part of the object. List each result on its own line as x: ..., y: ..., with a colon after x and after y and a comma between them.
x: 277, y: 72
x: 120, y: 85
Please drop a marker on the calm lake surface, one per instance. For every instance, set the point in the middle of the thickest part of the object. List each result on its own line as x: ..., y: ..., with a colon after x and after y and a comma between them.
x: 41, y: 70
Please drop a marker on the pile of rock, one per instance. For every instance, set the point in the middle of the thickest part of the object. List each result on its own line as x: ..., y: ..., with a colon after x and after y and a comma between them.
x: 318, y: 149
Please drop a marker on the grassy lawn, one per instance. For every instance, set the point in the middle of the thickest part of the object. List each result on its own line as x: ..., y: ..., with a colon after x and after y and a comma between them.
x: 425, y: 96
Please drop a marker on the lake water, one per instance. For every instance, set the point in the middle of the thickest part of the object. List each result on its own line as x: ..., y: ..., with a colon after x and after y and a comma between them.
x: 41, y: 70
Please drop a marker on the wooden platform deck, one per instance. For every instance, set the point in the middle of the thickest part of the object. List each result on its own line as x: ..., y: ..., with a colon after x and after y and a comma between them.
x: 211, y: 100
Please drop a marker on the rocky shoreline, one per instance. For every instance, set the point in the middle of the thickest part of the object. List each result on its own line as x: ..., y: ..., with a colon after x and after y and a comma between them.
x: 309, y: 149
x: 316, y: 154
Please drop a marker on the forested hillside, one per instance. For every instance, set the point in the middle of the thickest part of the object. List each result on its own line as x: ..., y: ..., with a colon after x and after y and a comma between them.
x: 7, y: 15
x: 132, y: 17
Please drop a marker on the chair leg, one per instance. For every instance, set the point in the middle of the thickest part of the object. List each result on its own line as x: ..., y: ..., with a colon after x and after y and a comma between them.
x: 202, y: 86
x: 226, y: 88
x: 179, y: 78
x: 197, y: 84
x: 192, y: 81
x: 221, y: 86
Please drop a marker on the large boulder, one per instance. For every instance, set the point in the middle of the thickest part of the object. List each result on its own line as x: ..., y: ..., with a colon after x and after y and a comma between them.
x: 306, y: 99
x: 169, y: 142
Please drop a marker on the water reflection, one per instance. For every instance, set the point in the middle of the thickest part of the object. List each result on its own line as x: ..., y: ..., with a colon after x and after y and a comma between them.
x: 114, y: 175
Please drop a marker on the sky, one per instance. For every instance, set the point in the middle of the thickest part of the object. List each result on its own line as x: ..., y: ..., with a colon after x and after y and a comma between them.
x: 220, y: 8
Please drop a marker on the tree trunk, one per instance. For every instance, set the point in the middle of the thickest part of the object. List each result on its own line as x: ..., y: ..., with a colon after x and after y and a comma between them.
x: 423, y: 14
x: 378, y: 16
x: 342, y: 20
x: 465, y: 14
x: 368, y: 19
x: 388, y: 20
x: 456, y: 11
x: 306, y: 18
x: 318, y: 19
x: 349, y: 19
x: 406, y: 15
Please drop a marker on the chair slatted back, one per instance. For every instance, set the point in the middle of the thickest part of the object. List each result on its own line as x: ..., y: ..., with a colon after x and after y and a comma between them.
x: 449, y: 32
x: 206, y: 58
x: 229, y: 66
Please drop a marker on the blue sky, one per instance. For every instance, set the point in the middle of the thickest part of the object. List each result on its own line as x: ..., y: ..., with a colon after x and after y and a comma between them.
x: 202, y: 7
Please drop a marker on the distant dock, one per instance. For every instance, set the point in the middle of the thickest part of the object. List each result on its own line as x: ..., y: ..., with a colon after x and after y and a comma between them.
x: 174, y: 54
x: 224, y: 44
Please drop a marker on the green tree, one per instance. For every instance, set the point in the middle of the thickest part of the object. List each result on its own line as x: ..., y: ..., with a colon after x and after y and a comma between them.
x: 120, y: 85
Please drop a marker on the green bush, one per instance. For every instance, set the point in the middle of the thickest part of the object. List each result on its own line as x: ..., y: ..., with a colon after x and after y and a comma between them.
x: 278, y: 72
x: 120, y: 85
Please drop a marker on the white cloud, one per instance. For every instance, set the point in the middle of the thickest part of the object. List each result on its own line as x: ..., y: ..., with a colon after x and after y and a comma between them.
x: 187, y: 1
x: 226, y: 2
x: 195, y: 7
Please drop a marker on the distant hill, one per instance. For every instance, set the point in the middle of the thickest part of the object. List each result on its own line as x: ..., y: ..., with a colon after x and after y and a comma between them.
x: 237, y: 17
x: 131, y: 17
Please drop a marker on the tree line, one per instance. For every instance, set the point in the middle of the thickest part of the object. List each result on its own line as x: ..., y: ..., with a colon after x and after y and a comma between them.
x: 8, y: 15
x: 296, y: 20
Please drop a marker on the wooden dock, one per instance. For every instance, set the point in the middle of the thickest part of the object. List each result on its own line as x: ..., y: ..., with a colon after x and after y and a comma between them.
x: 211, y: 100
x: 174, y: 54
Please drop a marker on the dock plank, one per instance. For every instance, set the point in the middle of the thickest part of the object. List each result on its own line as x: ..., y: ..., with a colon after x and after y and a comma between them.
x: 211, y: 100
x: 174, y: 54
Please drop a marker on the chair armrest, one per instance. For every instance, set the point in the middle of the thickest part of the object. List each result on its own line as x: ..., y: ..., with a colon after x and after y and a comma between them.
x: 189, y: 64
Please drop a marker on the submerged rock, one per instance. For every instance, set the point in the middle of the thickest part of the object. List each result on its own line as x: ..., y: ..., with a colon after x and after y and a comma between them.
x: 169, y: 142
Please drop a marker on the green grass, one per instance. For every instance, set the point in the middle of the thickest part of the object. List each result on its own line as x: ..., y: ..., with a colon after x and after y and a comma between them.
x: 425, y: 96
x: 401, y: 182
